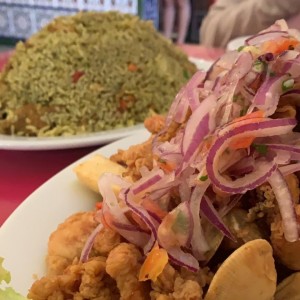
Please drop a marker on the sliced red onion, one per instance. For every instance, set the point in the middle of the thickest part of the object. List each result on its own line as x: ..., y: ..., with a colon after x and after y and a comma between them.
x: 234, y: 200
x: 268, y: 94
x: 292, y: 151
x: 85, y: 253
x: 184, y: 190
x: 263, y: 168
x: 291, y: 67
x: 176, y: 105
x: 213, y: 217
x: 266, y: 36
x: 127, y: 227
x: 288, y: 55
x: 144, y: 215
x: 289, y: 169
x: 191, y: 89
x: 110, y: 201
x: 286, y: 206
x: 112, y: 207
x: 291, y: 92
x: 137, y: 237
x: 241, y: 67
x: 198, y: 241
x: 233, y: 159
x: 183, y: 259
x: 197, y: 128
x: 227, y: 60
x: 147, y: 182
x: 154, y: 216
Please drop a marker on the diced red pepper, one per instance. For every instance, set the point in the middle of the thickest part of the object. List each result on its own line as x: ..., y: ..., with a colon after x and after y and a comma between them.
x: 76, y: 76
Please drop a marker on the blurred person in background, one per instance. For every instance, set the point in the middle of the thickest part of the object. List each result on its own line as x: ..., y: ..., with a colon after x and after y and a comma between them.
x: 184, y: 14
x: 228, y: 19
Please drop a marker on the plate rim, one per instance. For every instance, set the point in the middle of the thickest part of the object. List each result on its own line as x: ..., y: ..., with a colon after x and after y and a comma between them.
x: 66, y: 180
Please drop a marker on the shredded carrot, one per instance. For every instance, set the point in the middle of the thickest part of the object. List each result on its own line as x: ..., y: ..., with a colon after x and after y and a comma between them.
x: 279, y: 45
x: 99, y: 205
x: 166, y: 166
x: 246, y: 141
x: 132, y: 67
x: 241, y: 143
x: 154, y: 264
x: 254, y: 115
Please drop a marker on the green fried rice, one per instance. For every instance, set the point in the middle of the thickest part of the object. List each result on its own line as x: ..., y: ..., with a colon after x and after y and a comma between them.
x: 87, y: 73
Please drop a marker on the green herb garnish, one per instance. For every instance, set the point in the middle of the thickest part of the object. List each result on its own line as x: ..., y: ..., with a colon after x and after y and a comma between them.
x: 261, y: 148
x: 287, y: 84
x: 203, y: 178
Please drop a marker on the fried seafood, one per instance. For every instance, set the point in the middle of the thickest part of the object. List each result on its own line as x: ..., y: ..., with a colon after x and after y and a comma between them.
x: 67, y: 241
x: 172, y: 284
x: 211, y: 206
x: 123, y: 265
x: 79, y: 281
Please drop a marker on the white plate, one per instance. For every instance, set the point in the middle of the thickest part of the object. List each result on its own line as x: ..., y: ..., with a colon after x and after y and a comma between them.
x: 76, y: 141
x: 234, y: 44
x: 24, y: 236
x: 48, y: 143
x: 201, y: 64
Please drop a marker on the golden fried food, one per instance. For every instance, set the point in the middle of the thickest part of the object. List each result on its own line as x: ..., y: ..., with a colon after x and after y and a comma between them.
x: 123, y: 265
x: 79, y: 281
x: 66, y: 242
x: 172, y: 284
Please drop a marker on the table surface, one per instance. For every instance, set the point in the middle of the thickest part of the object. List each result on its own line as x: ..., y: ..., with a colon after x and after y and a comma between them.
x: 21, y: 172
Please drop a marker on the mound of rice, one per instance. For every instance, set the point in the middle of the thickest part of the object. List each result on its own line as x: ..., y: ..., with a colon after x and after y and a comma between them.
x: 87, y: 73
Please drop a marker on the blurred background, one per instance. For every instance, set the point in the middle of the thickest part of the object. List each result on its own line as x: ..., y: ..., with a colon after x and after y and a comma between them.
x: 21, y: 18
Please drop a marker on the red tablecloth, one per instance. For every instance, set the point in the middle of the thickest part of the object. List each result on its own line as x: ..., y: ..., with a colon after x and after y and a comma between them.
x: 21, y: 172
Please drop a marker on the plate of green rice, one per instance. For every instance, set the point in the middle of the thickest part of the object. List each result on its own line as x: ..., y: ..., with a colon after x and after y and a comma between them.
x: 88, y: 79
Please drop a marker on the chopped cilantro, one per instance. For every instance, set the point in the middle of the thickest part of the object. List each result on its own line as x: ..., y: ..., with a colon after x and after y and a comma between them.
x: 240, y: 48
x: 203, y: 178
x: 261, y: 148
x: 258, y: 66
x: 287, y: 84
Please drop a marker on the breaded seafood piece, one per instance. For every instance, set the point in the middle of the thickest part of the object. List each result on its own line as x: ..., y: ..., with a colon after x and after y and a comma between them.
x: 79, y: 281
x: 67, y: 241
x: 134, y: 158
x: 155, y: 123
x: 123, y: 265
x: 172, y: 285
